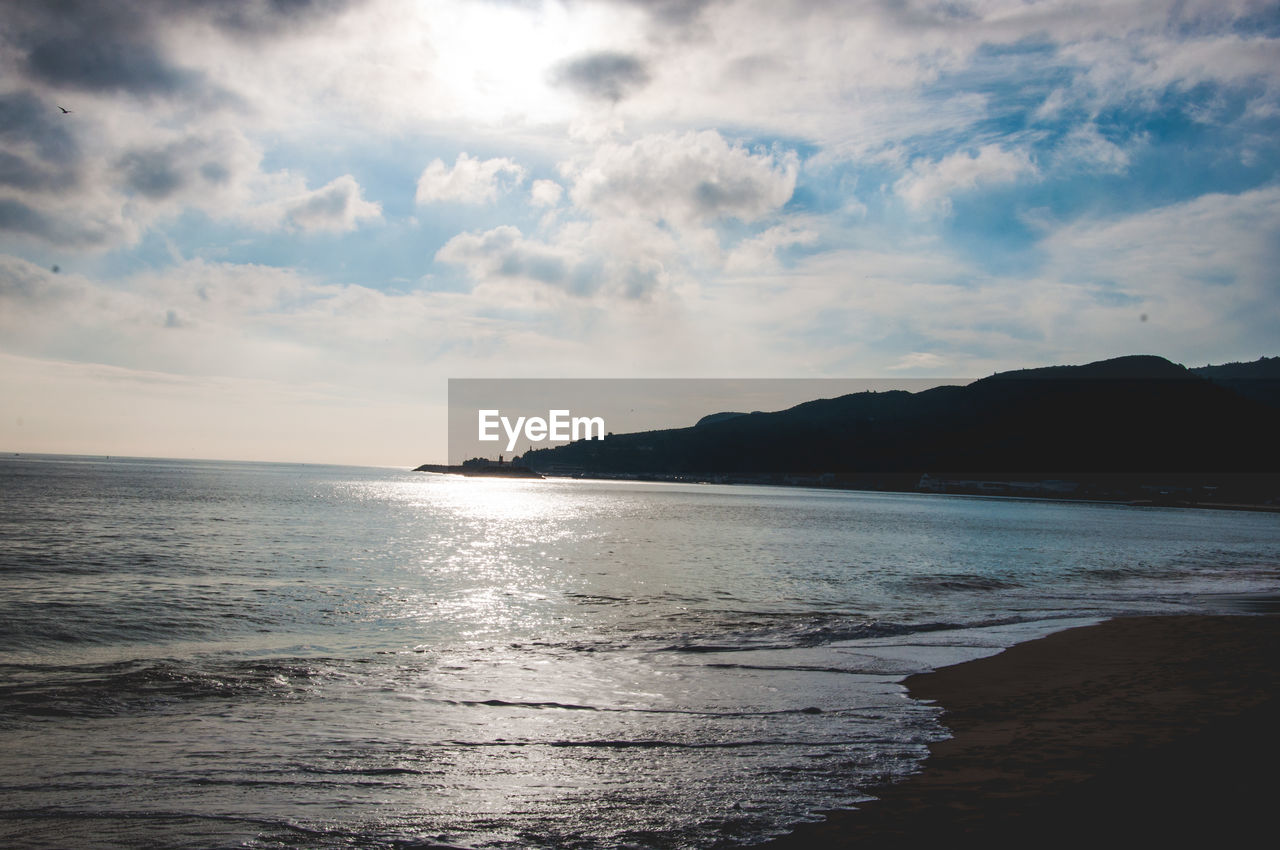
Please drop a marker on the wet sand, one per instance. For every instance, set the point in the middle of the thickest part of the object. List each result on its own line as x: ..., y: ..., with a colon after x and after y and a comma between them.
x: 1144, y: 730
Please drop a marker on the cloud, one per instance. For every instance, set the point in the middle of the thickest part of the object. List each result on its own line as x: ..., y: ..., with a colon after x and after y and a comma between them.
x: 1077, y: 116
x: 108, y: 65
x: 760, y: 251
x: 470, y: 181
x: 75, y: 195
x: 929, y: 185
x: 271, y: 18
x: 642, y: 220
x: 545, y: 193
x: 18, y: 217
x: 39, y: 154
x: 111, y: 49
x: 37, y: 129
x: 119, y: 47
x: 68, y: 227
x: 606, y: 75
x: 672, y: 12
x: 158, y: 173
x: 503, y: 252
x: 1085, y: 146
x: 336, y: 207
x: 1217, y: 246
x: 159, y: 124
x: 688, y: 178
x: 1137, y: 64
x: 612, y: 259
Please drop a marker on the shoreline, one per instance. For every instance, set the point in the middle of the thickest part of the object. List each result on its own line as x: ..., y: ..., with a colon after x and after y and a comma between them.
x: 1256, y: 507
x: 1152, y: 728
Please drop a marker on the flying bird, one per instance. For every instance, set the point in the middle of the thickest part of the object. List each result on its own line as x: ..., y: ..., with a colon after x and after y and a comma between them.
x: 65, y: 111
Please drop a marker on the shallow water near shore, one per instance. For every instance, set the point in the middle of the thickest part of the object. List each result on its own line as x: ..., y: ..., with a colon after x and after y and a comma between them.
x: 208, y: 654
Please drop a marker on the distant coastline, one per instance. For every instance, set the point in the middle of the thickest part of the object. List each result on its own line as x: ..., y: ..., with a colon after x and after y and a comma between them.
x: 971, y: 486
x: 486, y: 470
x: 1136, y: 430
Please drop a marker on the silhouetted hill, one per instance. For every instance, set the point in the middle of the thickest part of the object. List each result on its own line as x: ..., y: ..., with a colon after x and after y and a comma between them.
x: 1263, y: 367
x: 712, y: 418
x: 1259, y: 380
x: 1128, y: 415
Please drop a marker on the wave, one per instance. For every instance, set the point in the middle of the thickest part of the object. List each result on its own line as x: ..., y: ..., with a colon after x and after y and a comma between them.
x: 57, y: 828
x: 656, y: 744
x: 501, y: 703
x: 956, y: 582
x: 808, y: 634
x: 129, y: 687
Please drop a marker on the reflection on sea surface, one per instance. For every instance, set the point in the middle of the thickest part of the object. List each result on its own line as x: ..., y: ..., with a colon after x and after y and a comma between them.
x: 207, y: 654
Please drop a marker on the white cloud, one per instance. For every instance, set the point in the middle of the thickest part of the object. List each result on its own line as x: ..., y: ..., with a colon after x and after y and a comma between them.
x: 1140, y: 63
x: 684, y: 179
x: 504, y: 252
x: 1196, y: 256
x: 123, y: 173
x: 642, y: 219
x: 759, y: 252
x: 545, y: 193
x: 611, y: 258
x: 929, y: 185
x: 469, y: 181
x: 1085, y: 147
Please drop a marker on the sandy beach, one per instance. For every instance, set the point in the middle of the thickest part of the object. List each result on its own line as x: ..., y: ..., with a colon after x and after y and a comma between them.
x: 1144, y: 729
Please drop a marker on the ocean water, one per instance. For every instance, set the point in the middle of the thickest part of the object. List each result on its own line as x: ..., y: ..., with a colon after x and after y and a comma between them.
x: 206, y: 654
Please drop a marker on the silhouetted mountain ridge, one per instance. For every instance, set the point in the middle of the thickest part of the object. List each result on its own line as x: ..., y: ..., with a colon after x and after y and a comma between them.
x: 1259, y: 380
x: 1124, y: 415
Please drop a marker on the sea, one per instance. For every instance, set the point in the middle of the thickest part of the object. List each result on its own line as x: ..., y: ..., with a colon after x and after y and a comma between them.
x: 203, y: 654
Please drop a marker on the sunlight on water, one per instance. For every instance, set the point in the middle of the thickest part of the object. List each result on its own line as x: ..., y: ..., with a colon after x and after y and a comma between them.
x: 288, y: 657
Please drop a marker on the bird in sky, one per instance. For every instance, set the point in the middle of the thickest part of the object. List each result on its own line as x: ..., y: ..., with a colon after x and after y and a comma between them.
x: 65, y: 111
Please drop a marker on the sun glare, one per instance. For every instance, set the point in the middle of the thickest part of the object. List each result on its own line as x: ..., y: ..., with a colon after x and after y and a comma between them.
x: 499, y: 61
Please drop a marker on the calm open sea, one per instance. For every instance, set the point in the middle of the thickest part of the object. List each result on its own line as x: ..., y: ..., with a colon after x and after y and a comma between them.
x: 206, y: 654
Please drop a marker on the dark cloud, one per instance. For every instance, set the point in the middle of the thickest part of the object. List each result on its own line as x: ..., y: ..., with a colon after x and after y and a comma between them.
x: 328, y: 204
x: 335, y: 207
x: 927, y: 14
x: 26, y: 120
x: 713, y: 196
x: 152, y: 173
x: 144, y: 19
x: 674, y: 13
x: 532, y: 264
x: 216, y: 173
x: 108, y: 65
x: 604, y: 76
x: 20, y: 173
x: 17, y: 217
x: 272, y: 17
x: 39, y: 154
x: 679, y: 18
x: 158, y: 173
x: 96, y: 46
x: 640, y: 281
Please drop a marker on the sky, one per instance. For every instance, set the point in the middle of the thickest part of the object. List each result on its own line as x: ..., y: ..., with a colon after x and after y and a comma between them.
x: 274, y: 229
